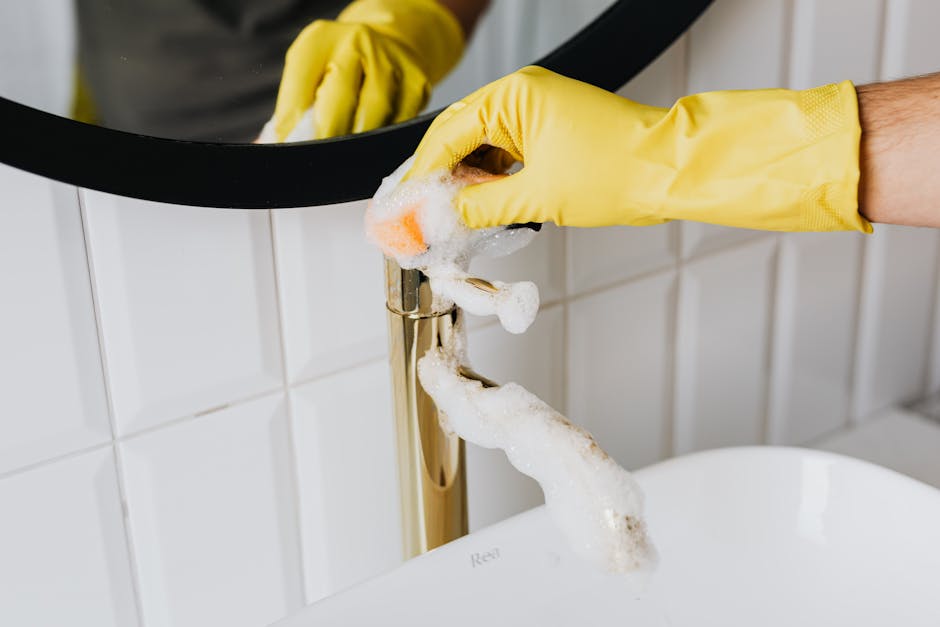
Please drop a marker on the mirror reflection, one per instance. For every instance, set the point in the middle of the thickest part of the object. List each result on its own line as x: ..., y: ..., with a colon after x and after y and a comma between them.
x: 267, y: 70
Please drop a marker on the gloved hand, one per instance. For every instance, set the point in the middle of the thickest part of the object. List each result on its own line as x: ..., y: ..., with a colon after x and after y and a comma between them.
x: 373, y: 66
x: 769, y: 159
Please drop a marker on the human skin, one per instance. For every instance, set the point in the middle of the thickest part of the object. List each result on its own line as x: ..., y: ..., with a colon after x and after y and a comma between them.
x: 900, y: 151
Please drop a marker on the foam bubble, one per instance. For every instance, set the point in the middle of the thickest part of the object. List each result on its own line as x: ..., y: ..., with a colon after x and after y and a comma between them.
x: 595, y: 502
x: 304, y: 130
x: 514, y: 304
x: 415, y: 222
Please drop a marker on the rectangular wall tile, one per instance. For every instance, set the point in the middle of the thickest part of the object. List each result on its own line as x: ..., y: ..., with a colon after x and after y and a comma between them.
x: 834, y: 40
x: 910, y: 39
x: 63, y: 552
x: 933, y: 366
x: 332, y: 286
x: 896, y: 321
x: 602, y: 256
x: 738, y: 44
x: 663, y: 81
x: 495, y: 489
x: 722, y: 359
x: 210, y: 503
x: 814, y: 335
x: 53, y: 398
x: 187, y: 304
x: 619, y: 366
x: 558, y: 20
x: 698, y: 238
x: 349, y: 498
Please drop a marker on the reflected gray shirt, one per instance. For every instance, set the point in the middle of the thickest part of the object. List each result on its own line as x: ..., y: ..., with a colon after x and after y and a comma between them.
x: 205, y: 70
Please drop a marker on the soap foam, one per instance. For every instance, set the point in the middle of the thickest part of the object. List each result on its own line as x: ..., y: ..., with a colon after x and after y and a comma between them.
x: 596, y: 503
x: 447, y: 245
x: 303, y: 131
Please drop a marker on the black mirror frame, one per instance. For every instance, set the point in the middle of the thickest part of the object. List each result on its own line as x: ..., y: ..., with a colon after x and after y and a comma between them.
x: 608, y: 52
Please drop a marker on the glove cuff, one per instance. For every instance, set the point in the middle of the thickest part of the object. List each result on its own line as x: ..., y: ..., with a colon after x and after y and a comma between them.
x: 771, y: 159
x: 426, y: 28
x: 831, y: 113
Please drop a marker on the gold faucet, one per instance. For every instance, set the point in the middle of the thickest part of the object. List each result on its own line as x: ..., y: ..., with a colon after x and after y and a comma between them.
x: 431, y: 468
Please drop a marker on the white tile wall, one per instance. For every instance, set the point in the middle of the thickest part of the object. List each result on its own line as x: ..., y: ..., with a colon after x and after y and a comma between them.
x: 250, y: 465
x: 724, y: 45
x: 722, y: 347
x: 620, y: 346
x: 47, y: 326
x: 63, y: 556
x: 895, y: 327
x: 187, y: 306
x: 910, y: 39
x: 814, y: 335
x: 663, y: 80
x: 332, y: 288
x: 933, y: 367
x: 212, y: 514
x: 826, y: 47
x: 345, y: 442
x: 604, y: 256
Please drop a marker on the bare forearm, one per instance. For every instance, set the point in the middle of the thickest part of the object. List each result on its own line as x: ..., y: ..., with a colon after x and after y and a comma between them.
x: 900, y: 151
x: 467, y: 12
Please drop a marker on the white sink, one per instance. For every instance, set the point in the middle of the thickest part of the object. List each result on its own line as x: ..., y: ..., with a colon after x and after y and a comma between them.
x: 747, y: 537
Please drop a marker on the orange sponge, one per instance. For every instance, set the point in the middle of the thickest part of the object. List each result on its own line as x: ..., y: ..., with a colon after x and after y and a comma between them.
x: 401, y: 236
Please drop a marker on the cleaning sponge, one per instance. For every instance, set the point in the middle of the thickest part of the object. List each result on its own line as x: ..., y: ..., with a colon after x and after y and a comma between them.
x: 415, y: 223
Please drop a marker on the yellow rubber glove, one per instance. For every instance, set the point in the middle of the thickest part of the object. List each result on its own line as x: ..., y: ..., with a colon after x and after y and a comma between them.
x: 373, y: 66
x: 769, y: 159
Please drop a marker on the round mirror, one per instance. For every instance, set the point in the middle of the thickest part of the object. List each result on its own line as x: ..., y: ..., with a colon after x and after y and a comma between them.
x: 163, y: 99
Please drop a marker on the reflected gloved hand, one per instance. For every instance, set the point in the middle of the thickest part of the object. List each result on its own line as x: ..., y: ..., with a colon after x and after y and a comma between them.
x: 374, y: 65
x: 770, y: 159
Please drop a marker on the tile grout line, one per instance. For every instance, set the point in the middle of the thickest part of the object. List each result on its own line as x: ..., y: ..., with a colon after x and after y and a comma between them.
x: 932, y: 333
x: 48, y: 461
x: 773, y: 300
x: 854, y: 375
x: 115, y: 449
x: 786, y: 43
x: 672, y: 352
x: 172, y: 422
x: 670, y: 445
x: 770, y: 421
x: 565, y: 333
x: 289, y: 409
x: 882, y: 38
x: 670, y: 266
x: 115, y: 439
